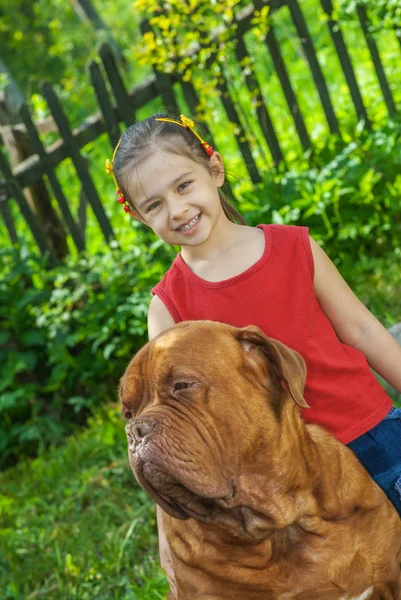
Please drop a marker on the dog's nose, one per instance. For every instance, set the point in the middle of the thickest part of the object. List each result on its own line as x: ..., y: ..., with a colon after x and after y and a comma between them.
x: 142, y: 428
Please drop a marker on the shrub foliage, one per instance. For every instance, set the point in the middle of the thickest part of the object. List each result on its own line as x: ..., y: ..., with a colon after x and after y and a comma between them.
x: 67, y: 334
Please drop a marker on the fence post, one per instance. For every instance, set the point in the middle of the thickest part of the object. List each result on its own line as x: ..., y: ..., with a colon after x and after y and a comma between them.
x: 79, y: 163
x: 262, y: 113
x: 289, y: 93
x: 109, y: 115
x: 124, y: 103
x: 19, y: 148
x: 38, y: 148
x: 25, y: 210
x: 7, y: 218
x: 345, y: 61
x: 374, y: 53
x: 164, y: 81
x: 320, y: 82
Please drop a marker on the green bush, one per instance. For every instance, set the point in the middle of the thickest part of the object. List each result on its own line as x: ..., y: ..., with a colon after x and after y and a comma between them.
x: 67, y: 334
x: 383, y: 14
x: 350, y: 199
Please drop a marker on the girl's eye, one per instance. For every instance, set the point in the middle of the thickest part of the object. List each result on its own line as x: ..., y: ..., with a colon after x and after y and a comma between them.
x: 182, y: 186
x: 153, y: 206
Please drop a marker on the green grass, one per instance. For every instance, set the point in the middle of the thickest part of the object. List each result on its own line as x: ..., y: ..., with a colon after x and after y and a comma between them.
x: 75, y: 524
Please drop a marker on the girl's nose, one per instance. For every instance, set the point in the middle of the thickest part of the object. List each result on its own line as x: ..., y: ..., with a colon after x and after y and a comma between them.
x: 177, y: 209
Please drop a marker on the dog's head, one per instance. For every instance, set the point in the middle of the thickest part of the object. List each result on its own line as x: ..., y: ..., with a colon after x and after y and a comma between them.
x: 205, y: 405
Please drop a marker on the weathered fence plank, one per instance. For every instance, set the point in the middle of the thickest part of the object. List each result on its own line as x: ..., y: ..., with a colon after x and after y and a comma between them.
x: 233, y: 117
x: 289, y: 93
x: 124, y: 104
x: 8, y: 220
x: 317, y: 74
x: 374, y: 53
x: 164, y: 81
x: 25, y: 210
x: 261, y: 110
x: 38, y: 148
x: 19, y: 147
x: 345, y: 61
x: 106, y: 106
x: 79, y: 163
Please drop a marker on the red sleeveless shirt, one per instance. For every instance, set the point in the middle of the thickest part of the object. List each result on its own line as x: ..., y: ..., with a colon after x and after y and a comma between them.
x: 277, y: 295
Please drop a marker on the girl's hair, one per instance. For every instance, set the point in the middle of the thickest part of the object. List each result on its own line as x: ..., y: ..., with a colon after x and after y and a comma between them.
x: 141, y: 139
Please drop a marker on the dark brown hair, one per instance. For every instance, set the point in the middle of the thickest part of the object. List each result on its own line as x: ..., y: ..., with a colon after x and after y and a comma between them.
x: 140, y: 140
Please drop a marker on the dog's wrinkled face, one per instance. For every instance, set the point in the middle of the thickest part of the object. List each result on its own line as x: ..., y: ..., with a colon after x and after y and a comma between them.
x: 190, y: 398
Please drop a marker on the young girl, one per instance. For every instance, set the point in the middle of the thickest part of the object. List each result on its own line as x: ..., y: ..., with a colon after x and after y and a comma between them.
x: 273, y: 276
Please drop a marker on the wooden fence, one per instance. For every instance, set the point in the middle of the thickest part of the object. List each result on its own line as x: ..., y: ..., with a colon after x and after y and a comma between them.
x: 122, y: 109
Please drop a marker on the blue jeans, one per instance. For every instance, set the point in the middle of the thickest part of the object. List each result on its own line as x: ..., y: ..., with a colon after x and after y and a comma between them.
x: 379, y: 450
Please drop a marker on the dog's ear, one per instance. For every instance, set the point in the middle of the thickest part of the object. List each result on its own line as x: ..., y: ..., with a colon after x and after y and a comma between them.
x: 130, y: 389
x: 288, y: 365
x: 124, y: 397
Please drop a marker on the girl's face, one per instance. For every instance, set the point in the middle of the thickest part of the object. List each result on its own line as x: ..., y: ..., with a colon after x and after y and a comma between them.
x: 177, y: 197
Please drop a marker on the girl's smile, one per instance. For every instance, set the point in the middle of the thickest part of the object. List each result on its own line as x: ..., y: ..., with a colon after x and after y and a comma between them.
x: 191, y: 226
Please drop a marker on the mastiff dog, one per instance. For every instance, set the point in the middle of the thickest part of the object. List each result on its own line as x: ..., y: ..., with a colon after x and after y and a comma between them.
x: 256, y: 504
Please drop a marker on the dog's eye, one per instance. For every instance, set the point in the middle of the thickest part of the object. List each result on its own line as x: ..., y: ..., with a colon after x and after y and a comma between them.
x: 128, y: 415
x: 181, y: 385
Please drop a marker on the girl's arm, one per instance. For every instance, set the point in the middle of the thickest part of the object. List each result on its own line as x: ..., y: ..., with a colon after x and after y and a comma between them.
x: 159, y: 319
x: 353, y: 323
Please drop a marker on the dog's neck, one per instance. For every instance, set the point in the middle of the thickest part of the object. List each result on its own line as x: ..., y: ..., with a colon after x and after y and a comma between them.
x: 277, y: 488
x: 290, y: 489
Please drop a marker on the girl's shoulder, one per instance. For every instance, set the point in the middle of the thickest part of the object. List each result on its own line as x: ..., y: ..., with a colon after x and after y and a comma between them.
x: 159, y: 317
x: 281, y: 228
x: 282, y: 233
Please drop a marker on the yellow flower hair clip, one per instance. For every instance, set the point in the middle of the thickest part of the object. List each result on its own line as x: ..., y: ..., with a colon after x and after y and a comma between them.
x: 110, y: 171
x: 187, y: 123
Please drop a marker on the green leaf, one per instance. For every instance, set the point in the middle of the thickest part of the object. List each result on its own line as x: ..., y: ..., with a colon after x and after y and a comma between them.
x: 11, y: 399
x: 78, y: 402
x: 32, y: 338
x: 4, y: 337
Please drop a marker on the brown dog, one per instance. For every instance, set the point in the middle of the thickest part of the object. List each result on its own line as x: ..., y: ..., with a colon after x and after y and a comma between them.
x: 257, y: 505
